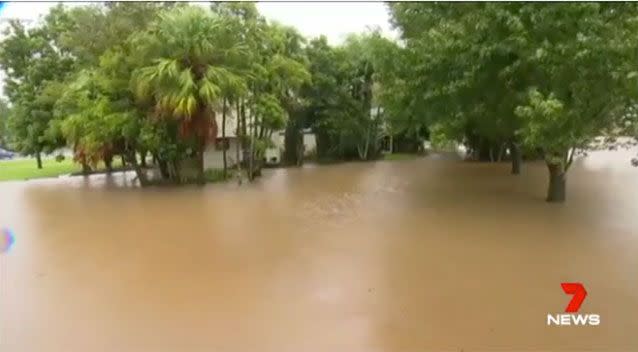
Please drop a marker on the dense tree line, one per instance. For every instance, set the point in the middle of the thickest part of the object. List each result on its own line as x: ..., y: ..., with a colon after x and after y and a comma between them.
x: 138, y: 79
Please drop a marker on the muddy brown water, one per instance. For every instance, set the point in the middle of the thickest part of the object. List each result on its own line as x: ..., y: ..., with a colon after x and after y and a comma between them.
x: 418, y: 255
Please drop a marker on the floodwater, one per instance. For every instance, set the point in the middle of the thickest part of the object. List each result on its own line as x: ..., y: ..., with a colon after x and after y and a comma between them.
x: 426, y: 254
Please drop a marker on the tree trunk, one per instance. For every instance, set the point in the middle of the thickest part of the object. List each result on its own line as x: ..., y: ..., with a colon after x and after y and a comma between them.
x: 141, y: 175
x: 366, y: 148
x: 517, y: 159
x: 143, y: 158
x: 556, y: 193
x: 391, y: 144
x: 174, y: 171
x: 323, y: 143
x: 108, y: 162
x: 123, y: 160
x: 251, y: 154
x: 237, y: 145
x: 201, y: 177
x: 163, y: 167
x: 38, y: 159
x: 291, y: 144
x: 224, y: 136
x: 86, y: 169
x: 243, y: 126
x: 301, y: 149
x: 500, y: 153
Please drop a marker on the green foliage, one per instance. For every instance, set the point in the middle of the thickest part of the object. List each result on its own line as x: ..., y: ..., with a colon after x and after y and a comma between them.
x: 189, y: 68
x: 269, y: 112
x: 348, y: 84
x: 476, y: 63
x: 465, y: 63
x: 584, y: 74
x: 35, y: 63
x: 542, y: 116
x: 551, y: 75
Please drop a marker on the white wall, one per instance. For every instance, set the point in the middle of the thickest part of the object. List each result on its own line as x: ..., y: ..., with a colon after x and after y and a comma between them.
x: 309, y: 142
x: 214, y: 159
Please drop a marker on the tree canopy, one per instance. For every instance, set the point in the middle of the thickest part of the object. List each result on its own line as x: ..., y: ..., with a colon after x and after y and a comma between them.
x: 552, y: 77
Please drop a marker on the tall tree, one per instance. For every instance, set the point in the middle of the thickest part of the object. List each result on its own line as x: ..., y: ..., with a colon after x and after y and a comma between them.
x: 33, y: 62
x: 287, y: 73
x: 187, y: 71
x: 464, y: 56
x: 584, y: 79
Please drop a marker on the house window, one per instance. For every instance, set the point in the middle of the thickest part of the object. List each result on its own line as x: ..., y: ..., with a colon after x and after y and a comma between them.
x: 222, y: 144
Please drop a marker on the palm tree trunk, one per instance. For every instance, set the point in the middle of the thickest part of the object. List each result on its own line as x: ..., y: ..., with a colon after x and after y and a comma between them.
x: 201, y: 143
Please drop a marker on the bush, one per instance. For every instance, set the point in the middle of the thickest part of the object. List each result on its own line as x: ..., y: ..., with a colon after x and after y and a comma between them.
x: 217, y: 175
x: 60, y: 158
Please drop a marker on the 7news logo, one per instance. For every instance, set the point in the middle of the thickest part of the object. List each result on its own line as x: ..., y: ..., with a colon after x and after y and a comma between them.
x: 578, y: 290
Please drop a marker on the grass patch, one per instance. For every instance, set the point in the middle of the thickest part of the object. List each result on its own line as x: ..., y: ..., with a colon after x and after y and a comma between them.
x: 400, y: 156
x: 26, y: 169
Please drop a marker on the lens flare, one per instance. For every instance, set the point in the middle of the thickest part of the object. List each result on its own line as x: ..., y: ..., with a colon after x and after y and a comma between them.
x: 6, y: 240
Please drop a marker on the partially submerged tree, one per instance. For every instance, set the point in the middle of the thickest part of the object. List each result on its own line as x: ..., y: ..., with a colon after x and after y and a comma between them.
x: 584, y: 79
x: 552, y: 77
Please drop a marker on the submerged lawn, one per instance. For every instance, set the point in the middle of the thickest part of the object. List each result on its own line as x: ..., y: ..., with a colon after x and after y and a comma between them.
x: 400, y: 156
x: 25, y: 169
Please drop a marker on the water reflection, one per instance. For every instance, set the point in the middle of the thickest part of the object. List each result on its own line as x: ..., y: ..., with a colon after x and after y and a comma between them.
x: 425, y: 254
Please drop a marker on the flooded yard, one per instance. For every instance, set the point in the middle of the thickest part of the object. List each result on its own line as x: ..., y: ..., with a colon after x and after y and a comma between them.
x: 414, y: 255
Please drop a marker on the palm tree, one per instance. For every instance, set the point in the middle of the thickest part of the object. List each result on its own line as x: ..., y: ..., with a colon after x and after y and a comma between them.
x: 189, y: 54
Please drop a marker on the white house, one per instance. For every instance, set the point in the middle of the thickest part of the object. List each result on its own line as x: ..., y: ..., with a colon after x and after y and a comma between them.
x: 273, y: 155
x: 213, y: 155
